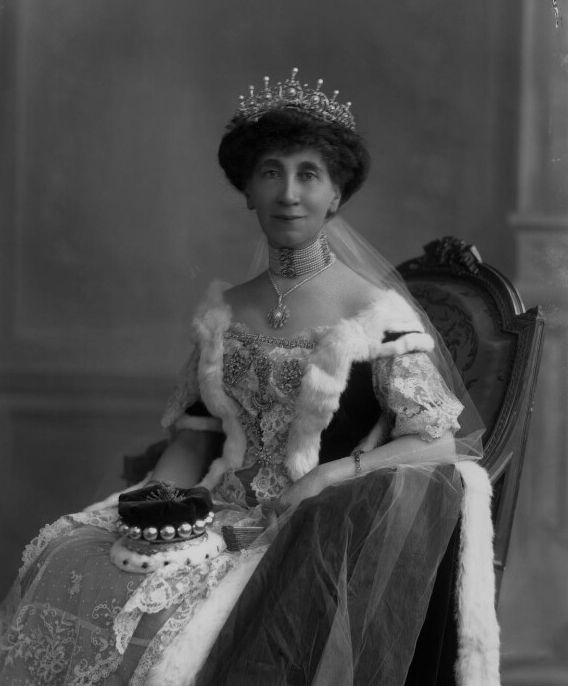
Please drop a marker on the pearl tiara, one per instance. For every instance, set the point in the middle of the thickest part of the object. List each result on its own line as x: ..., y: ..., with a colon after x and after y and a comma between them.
x: 291, y: 94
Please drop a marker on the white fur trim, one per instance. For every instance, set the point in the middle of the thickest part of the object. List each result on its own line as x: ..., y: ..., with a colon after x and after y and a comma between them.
x: 478, y: 629
x: 193, y: 552
x: 354, y: 339
x: 324, y: 380
x: 187, y: 653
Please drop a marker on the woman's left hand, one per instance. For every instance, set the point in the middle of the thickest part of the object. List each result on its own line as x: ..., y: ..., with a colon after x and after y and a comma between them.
x: 308, y: 486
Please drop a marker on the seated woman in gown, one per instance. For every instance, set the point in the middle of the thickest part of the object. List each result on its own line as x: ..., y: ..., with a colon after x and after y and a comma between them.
x: 332, y: 392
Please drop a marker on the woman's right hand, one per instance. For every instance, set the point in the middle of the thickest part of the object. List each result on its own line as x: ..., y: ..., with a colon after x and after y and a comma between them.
x: 308, y: 486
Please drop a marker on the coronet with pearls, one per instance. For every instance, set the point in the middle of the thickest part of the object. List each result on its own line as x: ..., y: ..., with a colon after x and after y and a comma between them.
x: 168, y: 533
x: 292, y: 94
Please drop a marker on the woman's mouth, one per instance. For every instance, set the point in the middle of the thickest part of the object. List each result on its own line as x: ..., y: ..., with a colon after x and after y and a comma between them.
x: 287, y: 217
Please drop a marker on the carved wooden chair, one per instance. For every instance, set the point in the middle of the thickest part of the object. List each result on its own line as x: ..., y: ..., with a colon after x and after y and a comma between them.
x: 496, y: 346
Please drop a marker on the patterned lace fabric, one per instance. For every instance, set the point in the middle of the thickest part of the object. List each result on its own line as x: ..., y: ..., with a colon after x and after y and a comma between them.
x: 105, y: 519
x: 416, y: 396
x: 70, y: 594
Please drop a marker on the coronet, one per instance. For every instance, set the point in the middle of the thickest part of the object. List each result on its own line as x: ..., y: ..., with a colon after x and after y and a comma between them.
x: 292, y: 94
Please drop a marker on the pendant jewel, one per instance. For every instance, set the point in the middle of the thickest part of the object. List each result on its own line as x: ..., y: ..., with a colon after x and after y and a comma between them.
x: 278, y: 316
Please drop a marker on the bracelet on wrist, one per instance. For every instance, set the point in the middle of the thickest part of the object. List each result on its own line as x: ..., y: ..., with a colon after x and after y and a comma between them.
x: 356, y: 455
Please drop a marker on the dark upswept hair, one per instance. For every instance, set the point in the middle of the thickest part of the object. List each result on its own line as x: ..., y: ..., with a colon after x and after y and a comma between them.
x: 288, y: 130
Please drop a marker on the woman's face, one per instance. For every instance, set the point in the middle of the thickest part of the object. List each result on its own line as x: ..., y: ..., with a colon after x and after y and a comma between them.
x: 293, y: 195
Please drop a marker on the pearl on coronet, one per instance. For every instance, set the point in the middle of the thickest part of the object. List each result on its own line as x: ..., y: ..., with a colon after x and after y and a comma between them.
x: 208, y: 519
x: 184, y: 530
x: 167, y: 532
x: 199, y: 526
x: 134, y: 532
x: 150, y: 533
x: 123, y: 529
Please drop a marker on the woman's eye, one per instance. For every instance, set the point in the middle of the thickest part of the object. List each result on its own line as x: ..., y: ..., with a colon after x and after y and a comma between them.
x: 309, y: 175
x: 269, y: 174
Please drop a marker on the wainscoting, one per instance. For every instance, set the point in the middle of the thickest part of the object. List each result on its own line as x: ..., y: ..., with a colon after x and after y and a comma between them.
x: 62, y: 441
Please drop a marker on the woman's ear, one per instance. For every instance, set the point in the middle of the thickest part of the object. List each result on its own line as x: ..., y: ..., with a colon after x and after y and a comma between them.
x: 335, y: 202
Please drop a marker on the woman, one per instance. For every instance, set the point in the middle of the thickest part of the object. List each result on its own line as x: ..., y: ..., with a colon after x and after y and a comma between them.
x: 317, y: 371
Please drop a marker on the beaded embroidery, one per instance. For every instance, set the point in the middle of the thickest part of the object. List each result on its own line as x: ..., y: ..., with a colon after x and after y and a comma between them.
x: 288, y: 343
x: 288, y: 376
x: 266, y: 396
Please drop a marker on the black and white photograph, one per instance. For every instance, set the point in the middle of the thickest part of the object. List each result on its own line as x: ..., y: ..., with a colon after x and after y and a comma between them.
x: 284, y: 343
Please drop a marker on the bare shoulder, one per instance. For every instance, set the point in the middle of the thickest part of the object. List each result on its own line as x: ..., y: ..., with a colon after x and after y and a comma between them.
x: 357, y: 292
x: 249, y: 301
x: 242, y: 294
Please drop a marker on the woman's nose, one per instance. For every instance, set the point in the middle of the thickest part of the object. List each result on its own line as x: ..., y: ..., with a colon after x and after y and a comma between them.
x: 289, y: 191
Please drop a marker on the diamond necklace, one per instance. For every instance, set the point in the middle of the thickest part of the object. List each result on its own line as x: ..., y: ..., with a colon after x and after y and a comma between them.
x: 279, y: 314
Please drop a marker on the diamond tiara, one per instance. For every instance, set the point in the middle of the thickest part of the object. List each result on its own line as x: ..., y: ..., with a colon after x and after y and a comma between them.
x: 291, y: 94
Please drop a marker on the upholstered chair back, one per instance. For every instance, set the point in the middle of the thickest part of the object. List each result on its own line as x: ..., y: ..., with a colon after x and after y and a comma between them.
x: 496, y: 346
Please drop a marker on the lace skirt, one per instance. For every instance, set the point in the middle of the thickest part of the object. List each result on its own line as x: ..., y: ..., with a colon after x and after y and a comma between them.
x: 74, y: 619
x: 339, y: 597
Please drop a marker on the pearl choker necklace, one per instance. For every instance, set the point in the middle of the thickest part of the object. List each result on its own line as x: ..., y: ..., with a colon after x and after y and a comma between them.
x: 291, y: 263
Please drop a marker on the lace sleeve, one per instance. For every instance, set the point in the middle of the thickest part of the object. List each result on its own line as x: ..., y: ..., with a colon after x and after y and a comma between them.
x: 411, y: 390
x: 186, y: 391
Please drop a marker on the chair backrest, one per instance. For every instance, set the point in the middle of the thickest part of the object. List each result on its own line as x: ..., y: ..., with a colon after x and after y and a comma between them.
x: 496, y: 346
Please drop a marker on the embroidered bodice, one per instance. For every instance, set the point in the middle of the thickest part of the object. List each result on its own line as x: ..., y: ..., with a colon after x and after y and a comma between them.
x: 262, y: 374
